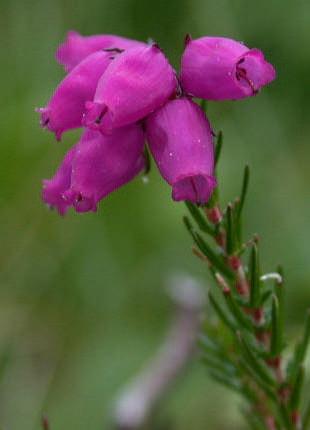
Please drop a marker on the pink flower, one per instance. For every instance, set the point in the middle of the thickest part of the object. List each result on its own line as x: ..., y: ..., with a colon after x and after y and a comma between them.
x: 53, y: 189
x: 77, y: 47
x: 136, y: 83
x: 218, y: 68
x: 96, y: 166
x: 65, y: 109
x: 180, y: 139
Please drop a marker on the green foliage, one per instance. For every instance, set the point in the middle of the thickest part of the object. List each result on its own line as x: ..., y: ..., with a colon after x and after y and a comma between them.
x: 251, y: 363
x: 81, y: 297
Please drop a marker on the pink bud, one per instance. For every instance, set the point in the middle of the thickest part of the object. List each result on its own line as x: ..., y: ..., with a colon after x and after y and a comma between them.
x: 65, y: 109
x: 77, y: 47
x: 180, y: 139
x: 218, y: 68
x: 96, y: 166
x: 136, y: 83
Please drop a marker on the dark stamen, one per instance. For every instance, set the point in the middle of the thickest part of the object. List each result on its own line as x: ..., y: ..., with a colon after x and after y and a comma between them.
x: 99, y: 117
x: 156, y: 46
x: 187, y: 39
x: 195, y: 189
x: 147, y: 159
x: 241, y: 73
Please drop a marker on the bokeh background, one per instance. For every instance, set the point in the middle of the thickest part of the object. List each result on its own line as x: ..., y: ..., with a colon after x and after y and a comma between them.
x: 82, y: 298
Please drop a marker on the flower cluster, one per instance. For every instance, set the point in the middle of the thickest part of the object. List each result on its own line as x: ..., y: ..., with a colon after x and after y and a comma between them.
x: 124, y: 92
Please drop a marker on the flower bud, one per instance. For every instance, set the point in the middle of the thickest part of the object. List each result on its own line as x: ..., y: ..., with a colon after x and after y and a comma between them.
x: 180, y: 139
x: 94, y: 167
x: 136, y: 83
x: 218, y: 68
x: 77, y: 47
x: 65, y: 109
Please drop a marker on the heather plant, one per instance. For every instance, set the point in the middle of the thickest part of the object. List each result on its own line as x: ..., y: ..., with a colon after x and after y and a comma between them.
x: 132, y: 103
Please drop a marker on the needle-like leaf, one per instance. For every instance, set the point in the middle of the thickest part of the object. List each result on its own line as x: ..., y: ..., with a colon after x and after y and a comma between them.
x: 201, y: 221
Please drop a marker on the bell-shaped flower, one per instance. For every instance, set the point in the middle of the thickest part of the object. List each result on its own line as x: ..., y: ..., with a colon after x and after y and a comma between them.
x: 181, y: 142
x: 53, y: 189
x: 77, y: 47
x: 65, y: 109
x: 95, y: 167
x: 135, y: 84
x: 218, y: 68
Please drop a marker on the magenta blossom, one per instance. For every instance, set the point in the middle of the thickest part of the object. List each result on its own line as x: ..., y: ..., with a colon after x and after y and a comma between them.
x: 180, y: 139
x: 218, y: 68
x: 65, y: 109
x: 94, y: 167
x: 77, y: 47
x: 135, y: 84
x: 53, y: 189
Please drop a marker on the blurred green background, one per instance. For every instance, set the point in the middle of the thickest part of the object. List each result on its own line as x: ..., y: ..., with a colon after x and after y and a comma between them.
x: 82, y: 300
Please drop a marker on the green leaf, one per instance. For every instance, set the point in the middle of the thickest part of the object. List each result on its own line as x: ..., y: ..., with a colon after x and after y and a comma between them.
x: 213, y: 201
x: 215, y: 259
x: 254, y: 273
x: 297, y: 388
x: 188, y: 224
x: 285, y: 416
x: 202, y: 222
x: 147, y: 159
x: 221, y: 313
x: 300, y: 351
x: 306, y: 417
x: 228, y: 382
x: 258, y: 367
x: 264, y: 386
x: 245, y: 186
x: 212, y: 347
x: 240, y: 205
x: 276, y: 329
x: 203, y: 104
x: 218, y: 147
x: 280, y: 293
x: 253, y: 420
x: 224, y: 366
x: 243, y: 320
x: 230, y: 231
x: 265, y: 296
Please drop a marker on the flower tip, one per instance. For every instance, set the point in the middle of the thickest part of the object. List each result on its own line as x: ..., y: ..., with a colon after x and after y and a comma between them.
x: 94, y: 114
x: 83, y: 203
x: 80, y: 202
x: 195, y: 188
x: 271, y: 72
x: 71, y: 34
x: 155, y: 46
x: 187, y: 39
x: 63, y: 50
x: 58, y: 135
x: 253, y: 71
x: 40, y: 109
x: 44, y: 113
x: 51, y: 197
